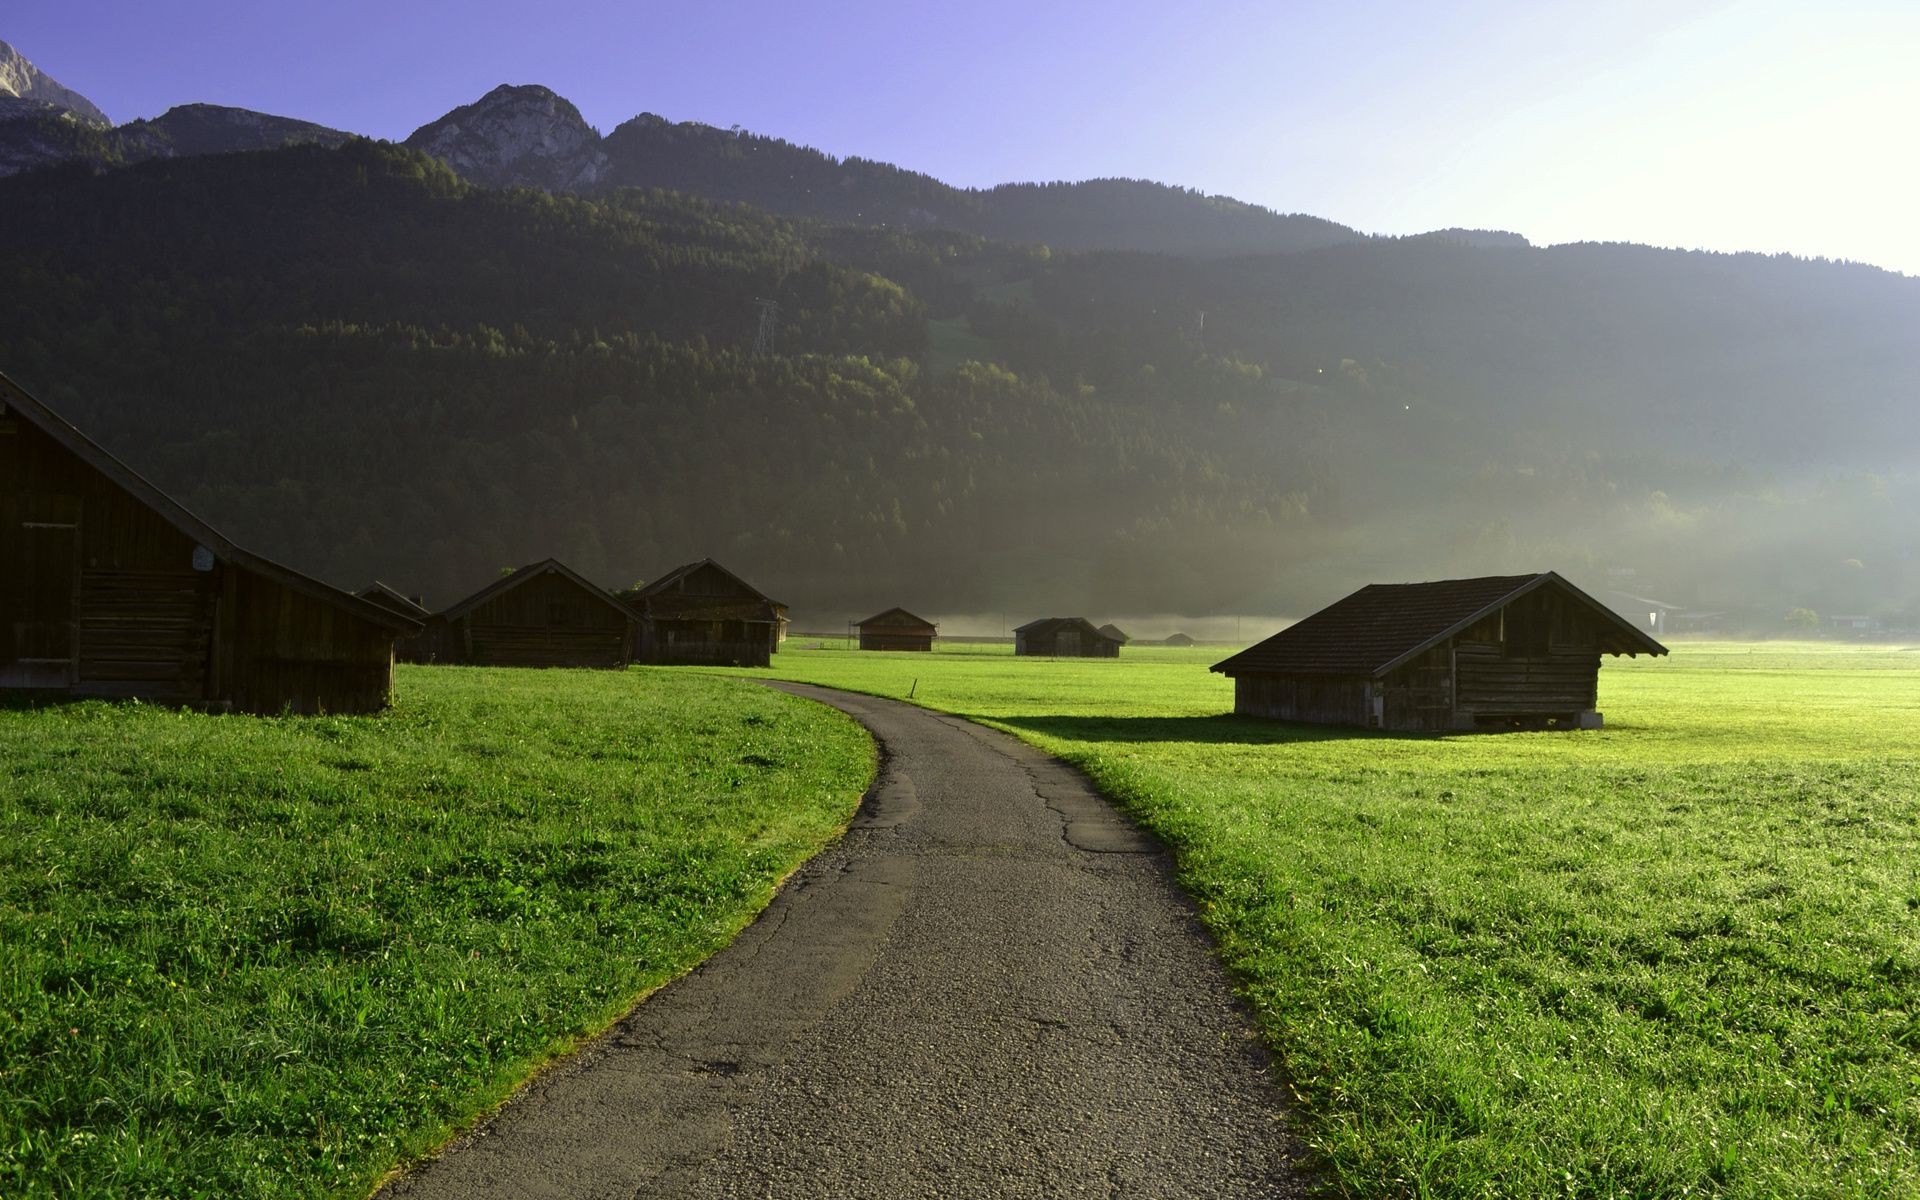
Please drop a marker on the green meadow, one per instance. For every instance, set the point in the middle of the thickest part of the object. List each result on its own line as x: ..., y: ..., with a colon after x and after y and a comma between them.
x: 244, y: 957
x: 1679, y: 956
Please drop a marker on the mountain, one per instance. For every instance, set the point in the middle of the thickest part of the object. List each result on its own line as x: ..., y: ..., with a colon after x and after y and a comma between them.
x: 528, y: 136
x: 22, y: 80
x: 376, y: 368
x: 40, y: 135
x: 517, y: 137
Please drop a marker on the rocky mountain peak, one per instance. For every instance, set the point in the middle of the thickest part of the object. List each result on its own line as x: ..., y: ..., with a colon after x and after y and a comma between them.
x: 517, y: 136
x: 21, y: 80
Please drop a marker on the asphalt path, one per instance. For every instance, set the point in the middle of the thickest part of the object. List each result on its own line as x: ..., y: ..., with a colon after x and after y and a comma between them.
x: 990, y: 987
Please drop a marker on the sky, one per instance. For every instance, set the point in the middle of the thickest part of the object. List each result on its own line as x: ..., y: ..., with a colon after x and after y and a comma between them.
x: 1767, y: 125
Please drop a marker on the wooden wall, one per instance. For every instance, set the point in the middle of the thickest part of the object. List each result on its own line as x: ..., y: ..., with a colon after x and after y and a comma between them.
x: 141, y: 611
x: 283, y: 650
x: 1315, y: 699
x: 705, y: 643
x: 895, y: 637
x: 547, y: 621
x: 90, y: 574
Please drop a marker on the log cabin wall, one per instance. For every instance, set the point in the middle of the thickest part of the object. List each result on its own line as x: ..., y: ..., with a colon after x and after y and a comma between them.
x: 91, y: 576
x: 282, y: 650
x: 1319, y: 699
x: 1420, y: 695
x: 894, y: 638
x: 1537, y: 657
x: 548, y: 621
x: 696, y: 642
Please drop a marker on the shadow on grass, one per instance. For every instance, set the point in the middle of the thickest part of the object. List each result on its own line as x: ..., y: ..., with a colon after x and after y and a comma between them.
x: 1221, y: 729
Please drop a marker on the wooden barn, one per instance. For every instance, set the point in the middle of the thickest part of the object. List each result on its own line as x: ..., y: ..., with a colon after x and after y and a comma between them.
x: 1177, y: 639
x: 896, y: 629
x: 1113, y: 632
x: 108, y: 587
x: 703, y: 613
x: 1499, y: 651
x: 1064, y: 637
x: 408, y: 648
x: 543, y: 615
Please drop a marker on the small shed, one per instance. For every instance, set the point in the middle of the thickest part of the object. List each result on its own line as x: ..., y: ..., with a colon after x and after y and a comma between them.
x: 407, y: 648
x: 544, y: 614
x: 1113, y: 632
x: 1178, y: 639
x: 896, y: 629
x: 703, y: 613
x: 109, y: 587
x: 1453, y: 654
x: 1063, y: 637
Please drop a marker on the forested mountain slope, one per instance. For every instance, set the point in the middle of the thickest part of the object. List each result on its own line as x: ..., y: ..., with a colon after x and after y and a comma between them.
x: 357, y: 361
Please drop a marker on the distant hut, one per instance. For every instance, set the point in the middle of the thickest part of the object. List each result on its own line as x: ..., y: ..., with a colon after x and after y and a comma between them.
x: 543, y: 615
x: 704, y: 613
x: 896, y: 629
x: 409, y: 647
x: 1114, y: 633
x: 1177, y: 639
x: 108, y: 587
x: 1063, y: 637
x: 1455, y: 654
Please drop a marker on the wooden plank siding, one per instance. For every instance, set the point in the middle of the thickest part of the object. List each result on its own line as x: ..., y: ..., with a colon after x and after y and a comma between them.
x: 1497, y: 651
x: 142, y: 600
x: 1318, y: 700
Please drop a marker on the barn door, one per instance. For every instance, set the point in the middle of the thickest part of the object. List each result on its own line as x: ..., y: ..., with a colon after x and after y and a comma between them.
x: 1066, y: 643
x: 42, y: 557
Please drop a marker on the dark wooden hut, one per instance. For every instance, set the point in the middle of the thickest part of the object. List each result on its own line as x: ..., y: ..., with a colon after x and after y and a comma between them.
x: 543, y: 615
x: 108, y: 587
x: 1455, y: 654
x: 408, y: 648
x: 1114, y: 633
x: 703, y: 613
x: 1178, y: 639
x: 896, y: 629
x: 1064, y: 637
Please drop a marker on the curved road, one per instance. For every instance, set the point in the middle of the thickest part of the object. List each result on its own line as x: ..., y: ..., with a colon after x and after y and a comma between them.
x: 990, y: 987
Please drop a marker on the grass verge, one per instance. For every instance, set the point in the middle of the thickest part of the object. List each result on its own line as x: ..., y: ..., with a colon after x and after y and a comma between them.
x: 245, y: 957
x: 1677, y: 956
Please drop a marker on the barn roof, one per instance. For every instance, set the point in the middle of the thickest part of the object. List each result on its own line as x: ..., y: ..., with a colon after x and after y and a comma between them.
x: 1115, y: 633
x: 1381, y: 626
x: 528, y: 573
x: 898, y: 616
x: 387, y: 597
x: 680, y: 572
x: 16, y: 399
x: 1049, y: 624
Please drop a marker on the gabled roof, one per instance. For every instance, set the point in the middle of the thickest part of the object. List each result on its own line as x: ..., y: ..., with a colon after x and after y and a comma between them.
x: 898, y: 616
x: 1049, y: 624
x: 680, y: 572
x: 1114, y: 632
x: 1381, y: 626
x: 16, y: 399
x: 387, y: 597
x: 528, y: 573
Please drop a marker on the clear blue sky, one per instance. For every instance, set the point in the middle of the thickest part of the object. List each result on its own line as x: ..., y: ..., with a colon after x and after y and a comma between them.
x: 1727, y: 124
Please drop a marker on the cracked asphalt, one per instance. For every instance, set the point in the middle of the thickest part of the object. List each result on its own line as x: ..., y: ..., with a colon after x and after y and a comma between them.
x: 990, y: 987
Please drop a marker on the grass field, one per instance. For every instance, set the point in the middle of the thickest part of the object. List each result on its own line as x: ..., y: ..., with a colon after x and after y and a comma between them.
x: 1677, y: 956
x: 268, y: 958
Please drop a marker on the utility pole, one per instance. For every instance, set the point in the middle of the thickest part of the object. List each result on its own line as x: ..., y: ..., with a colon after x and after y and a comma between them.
x: 769, y: 323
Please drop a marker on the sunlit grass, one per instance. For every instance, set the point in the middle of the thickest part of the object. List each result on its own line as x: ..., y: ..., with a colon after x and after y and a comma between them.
x: 245, y: 957
x: 1679, y: 955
